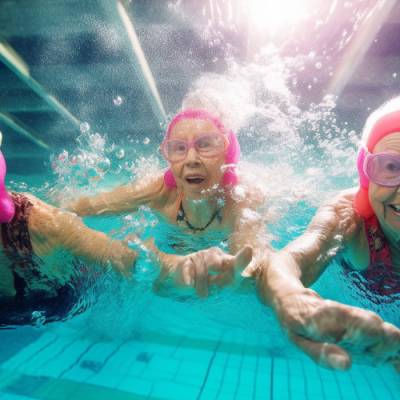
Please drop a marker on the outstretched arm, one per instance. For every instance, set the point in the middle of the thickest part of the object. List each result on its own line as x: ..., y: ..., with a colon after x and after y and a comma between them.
x: 327, y: 331
x: 123, y: 199
x: 50, y: 228
x: 250, y: 227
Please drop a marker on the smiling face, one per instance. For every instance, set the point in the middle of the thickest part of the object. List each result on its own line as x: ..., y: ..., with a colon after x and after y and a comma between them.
x: 386, y: 200
x: 195, y: 174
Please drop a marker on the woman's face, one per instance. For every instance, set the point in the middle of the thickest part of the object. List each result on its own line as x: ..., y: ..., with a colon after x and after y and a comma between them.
x: 386, y: 200
x: 195, y: 175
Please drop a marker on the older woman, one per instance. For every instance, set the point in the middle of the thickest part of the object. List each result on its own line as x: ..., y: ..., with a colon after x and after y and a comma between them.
x: 361, y: 227
x: 196, y: 193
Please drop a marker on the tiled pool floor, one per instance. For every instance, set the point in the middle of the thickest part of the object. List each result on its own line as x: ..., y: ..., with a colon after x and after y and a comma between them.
x: 160, y: 366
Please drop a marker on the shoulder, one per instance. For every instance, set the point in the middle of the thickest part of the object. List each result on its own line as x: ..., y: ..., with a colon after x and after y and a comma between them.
x: 152, y: 185
x: 246, y: 205
x: 339, y: 215
x: 247, y: 196
x: 42, y: 214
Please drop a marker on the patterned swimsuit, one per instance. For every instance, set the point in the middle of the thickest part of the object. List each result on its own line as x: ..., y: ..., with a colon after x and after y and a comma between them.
x: 380, y: 274
x: 22, y: 308
x: 380, y: 277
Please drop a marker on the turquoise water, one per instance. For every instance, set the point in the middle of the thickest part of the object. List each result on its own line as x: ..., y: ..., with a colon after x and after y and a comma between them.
x: 122, y: 341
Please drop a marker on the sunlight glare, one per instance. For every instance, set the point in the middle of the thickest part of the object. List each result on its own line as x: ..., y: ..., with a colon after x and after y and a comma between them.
x: 273, y: 13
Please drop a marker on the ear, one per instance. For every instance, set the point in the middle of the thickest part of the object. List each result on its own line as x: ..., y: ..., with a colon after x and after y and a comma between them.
x: 169, y: 179
x: 230, y: 178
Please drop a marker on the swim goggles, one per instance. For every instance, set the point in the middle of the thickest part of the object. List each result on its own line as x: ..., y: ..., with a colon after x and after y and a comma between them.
x: 209, y: 145
x: 382, y: 168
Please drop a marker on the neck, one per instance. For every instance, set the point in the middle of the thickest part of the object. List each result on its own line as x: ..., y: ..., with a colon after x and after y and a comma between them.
x: 199, y: 211
x: 200, y: 214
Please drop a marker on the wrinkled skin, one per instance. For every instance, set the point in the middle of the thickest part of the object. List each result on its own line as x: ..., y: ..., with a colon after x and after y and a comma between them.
x: 332, y: 334
x: 204, y: 269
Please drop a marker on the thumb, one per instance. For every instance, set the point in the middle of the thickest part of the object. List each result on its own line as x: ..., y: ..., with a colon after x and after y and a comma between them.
x: 326, y: 355
x: 243, y: 258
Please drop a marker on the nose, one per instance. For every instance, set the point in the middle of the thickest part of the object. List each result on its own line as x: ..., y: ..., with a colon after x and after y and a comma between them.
x: 192, y: 157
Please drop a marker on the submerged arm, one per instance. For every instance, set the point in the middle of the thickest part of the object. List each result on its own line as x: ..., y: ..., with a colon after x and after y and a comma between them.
x: 250, y: 227
x: 50, y: 228
x: 327, y: 331
x: 123, y: 199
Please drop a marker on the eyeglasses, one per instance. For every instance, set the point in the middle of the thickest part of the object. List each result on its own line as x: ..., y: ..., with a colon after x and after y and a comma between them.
x: 209, y: 145
x: 383, y: 169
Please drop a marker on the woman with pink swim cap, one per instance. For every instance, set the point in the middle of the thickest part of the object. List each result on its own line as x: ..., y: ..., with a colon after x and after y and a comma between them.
x: 360, y: 227
x: 196, y: 192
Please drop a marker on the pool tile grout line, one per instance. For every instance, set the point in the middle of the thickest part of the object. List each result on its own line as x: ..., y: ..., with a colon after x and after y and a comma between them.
x: 77, y: 361
x: 255, y: 379
x: 240, y: 373
x: 272, y: 379
x: 208, y: 370
x: 384, y: 382
x: 37, y: 352
x: 322, y: 386
x: 369, y: 384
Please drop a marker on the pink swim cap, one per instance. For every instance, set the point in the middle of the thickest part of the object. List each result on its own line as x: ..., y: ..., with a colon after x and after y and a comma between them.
x: 232, y: 153
x: 7, y: 207
x: 385, y: 125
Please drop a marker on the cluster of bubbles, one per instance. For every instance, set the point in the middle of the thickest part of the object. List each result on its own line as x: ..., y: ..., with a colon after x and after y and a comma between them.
x: 95, y: 163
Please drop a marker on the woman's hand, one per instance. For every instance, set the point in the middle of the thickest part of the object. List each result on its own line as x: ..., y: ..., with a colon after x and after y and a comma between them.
x: 204, y: 269
x: 332, y: 334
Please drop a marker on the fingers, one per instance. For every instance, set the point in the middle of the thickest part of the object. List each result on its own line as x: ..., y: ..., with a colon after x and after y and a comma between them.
x: 222, y: 279
x: 201, y: 280
x: 243, y: 258
x: 196, y: 268
x: 386, y: 345
x: 326, y: 355
x: 193, y: 274
x: 359, y: 333
x: 187, y: 274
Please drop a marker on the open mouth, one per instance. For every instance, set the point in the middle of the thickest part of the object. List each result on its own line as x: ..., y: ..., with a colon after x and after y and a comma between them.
x: 195, y: 180
x: 396, y: 207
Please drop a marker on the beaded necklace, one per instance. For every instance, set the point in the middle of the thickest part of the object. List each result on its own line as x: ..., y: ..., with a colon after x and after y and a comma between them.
x: 182, y: 217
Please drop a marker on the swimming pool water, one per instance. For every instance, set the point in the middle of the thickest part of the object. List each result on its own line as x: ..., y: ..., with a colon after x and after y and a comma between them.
x: 136, y: 345
x: 132, y: 344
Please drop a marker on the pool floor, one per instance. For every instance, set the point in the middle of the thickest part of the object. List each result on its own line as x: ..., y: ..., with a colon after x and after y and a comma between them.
x: 158, y: 366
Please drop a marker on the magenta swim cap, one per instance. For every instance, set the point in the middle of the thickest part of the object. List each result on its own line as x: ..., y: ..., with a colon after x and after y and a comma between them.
x: 385, y: 125
x: 232, y: 154
x: 7, y: 207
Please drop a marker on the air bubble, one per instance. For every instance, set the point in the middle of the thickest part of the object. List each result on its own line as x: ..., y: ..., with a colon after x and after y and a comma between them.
x: 146, y: 141
x: 129, y: 166
x: 85, y: 127
x: 318, y: 65
x: 103, y: 166
x: 117, y: 101
x: 120, y: 153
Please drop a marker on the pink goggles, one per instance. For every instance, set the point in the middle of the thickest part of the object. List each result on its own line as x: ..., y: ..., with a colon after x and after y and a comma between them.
x: 382, y: 169
x: 210, y: 145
